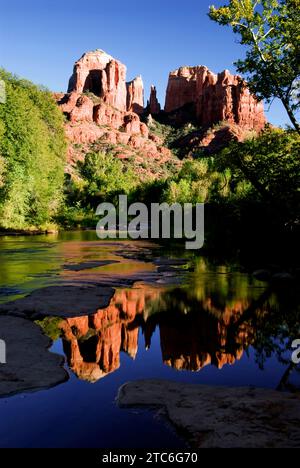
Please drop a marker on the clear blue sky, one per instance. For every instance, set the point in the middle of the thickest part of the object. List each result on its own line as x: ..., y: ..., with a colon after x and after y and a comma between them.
x: 40, y: 40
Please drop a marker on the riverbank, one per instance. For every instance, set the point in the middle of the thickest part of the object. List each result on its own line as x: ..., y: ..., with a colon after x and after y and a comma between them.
x: 220, y: 417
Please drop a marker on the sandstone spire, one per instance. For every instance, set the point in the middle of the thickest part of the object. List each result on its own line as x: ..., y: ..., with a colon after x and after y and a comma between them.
x: 135, y: 95
x: 153, y: 104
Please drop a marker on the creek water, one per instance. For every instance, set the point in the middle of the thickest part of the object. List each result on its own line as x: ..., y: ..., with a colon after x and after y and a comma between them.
x: 197, y: 321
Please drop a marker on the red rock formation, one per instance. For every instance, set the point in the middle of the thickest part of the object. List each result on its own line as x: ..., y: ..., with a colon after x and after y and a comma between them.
x: 195, y: 93
x: 135, y: 95
x: 82, y: 133
x: 83, y: 110
x: 99, y: 105
x: 107, y: 115
x: 213, y: 139
x: 132, y: 124
x: 102, y: 75
x: 153, y: 104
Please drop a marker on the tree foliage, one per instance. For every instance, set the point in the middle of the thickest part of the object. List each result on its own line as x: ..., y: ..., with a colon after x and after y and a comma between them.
x: 32, y: 155
x: 271, y: 31
x: 101, y: 177
x: 271, y: 165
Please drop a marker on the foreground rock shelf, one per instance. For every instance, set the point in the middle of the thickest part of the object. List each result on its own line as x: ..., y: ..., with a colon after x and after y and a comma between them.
x: 29, y: 365
x: 221, y: 417
x: 61, y: 301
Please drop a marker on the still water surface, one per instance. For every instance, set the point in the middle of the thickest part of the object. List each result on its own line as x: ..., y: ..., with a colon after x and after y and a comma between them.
x: 216, y: 326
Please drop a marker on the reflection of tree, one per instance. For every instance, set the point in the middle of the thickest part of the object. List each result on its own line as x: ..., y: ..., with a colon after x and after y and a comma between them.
x: 281, y: 327
x: 275, y: 316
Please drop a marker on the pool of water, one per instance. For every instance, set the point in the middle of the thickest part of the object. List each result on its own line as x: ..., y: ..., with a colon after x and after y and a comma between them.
x: 217, y: 326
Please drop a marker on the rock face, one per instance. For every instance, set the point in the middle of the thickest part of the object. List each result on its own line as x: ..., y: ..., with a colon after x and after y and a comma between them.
x: 135, y: 95
x: 101, y: 106
x: 153, y: 104
x: 212, y: 140
x: 209, y: 98
x: 102, y: 75
x: 221, y: 417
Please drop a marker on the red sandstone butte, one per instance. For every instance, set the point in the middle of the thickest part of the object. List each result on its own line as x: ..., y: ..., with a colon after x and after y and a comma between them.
x: 195, y: 93
x: 135, y: 95
x: 102, y: 75
x: 153, y: 104
x: 100, y: 105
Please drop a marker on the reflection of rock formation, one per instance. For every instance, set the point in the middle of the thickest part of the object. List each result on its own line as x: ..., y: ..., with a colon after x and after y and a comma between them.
x: 193, y: 332
x: 196, y: 341
x: 93, y: 344
x: 197, y: 333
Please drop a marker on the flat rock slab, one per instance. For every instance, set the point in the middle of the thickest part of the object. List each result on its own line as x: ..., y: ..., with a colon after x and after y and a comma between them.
x: 29, y: 365
x: 221, y: 417
x: 88, y: 265
x: 170, y: 261
x: 61, y: 301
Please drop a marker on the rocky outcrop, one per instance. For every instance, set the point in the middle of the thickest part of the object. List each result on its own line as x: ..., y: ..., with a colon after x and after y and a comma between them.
x: 153, y: 105
x: 102, y: 75
x: 135, y: 95
x: 61, y: 301
x: 101, y: 106
x: 211, y: 140
x: 195, y: 93
x: 29, y: 367
x: 107, y: 115
x: 221, y: 417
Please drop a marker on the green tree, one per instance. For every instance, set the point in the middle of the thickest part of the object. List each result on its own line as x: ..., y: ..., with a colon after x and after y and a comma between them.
x: 271, y: 164
x: 192, y: 184
x: 104, y: 176
x: 271, y: 31
x: 32, y: 155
